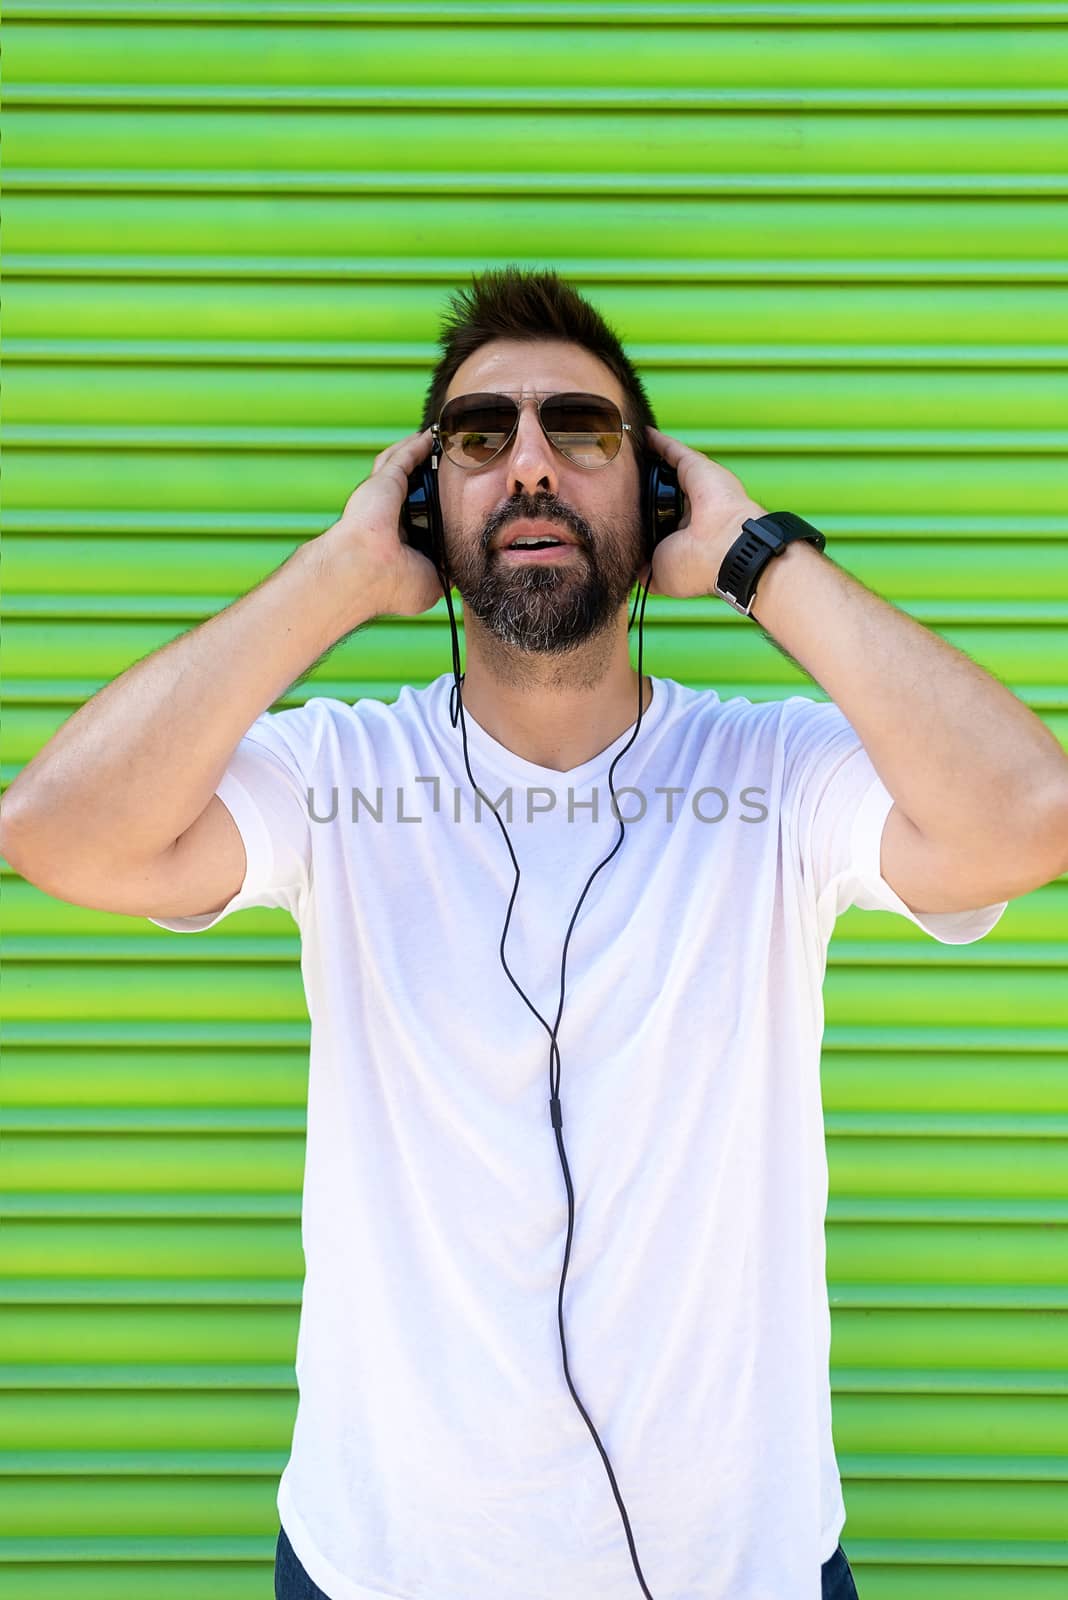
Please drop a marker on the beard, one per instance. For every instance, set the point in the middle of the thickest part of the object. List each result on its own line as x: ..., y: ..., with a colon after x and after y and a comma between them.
x: 548, y: 607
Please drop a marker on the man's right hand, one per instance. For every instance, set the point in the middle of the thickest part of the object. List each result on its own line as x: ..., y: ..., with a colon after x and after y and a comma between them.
x: 366, y: 547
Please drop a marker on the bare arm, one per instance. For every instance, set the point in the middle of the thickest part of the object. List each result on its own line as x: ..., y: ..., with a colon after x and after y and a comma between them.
x: 99, y: 814
x: 979, y: 783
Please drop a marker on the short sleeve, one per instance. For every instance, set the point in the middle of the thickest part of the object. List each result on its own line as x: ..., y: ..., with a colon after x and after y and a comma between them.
x: 265, y: 790
x: 835, y: 808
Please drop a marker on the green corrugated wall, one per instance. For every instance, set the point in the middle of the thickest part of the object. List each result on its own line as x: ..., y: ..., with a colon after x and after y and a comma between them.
x: 835, y: 239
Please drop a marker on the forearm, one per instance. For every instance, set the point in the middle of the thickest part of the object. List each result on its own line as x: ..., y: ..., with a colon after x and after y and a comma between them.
x: 961, y: 755
x: 137, y: 764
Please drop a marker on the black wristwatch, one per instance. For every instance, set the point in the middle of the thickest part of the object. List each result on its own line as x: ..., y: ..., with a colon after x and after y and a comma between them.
x: 761, y: 539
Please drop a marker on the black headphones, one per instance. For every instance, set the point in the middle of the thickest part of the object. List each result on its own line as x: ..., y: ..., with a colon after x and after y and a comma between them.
x: 661, y: 506
x: 662, y: 509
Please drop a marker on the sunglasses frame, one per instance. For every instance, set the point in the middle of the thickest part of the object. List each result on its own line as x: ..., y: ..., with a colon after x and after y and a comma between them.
x: 540, y: 398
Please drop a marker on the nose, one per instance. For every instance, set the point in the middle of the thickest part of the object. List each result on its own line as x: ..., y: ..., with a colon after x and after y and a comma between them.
x: 531, y: 464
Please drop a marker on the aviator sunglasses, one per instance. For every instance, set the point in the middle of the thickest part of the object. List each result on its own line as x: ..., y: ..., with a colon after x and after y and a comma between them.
x: 586, y: 428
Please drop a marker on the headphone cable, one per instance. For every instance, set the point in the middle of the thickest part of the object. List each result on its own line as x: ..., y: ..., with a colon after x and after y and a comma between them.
x: 456, y: 709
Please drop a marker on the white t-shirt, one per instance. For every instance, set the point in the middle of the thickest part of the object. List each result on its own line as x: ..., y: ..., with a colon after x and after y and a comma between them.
x: 437, y: 1452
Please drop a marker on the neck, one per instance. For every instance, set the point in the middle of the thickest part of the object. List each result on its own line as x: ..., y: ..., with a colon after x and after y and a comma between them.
x: 557, y: 711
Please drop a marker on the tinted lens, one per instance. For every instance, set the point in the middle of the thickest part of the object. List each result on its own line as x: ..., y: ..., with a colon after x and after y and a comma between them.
x: 585, y: 427
x: 475, y: 427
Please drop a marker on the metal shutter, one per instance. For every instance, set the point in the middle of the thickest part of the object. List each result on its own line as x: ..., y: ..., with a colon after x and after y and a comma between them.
x: 834, y: 238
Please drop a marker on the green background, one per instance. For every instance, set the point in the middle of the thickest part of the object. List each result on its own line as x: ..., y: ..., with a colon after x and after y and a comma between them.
x: 834, y: 239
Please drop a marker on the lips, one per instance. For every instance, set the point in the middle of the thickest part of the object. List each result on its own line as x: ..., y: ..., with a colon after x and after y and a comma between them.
x: 535, y: 529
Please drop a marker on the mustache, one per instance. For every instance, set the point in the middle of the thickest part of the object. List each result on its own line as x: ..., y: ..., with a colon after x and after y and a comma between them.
x: 542, y: 510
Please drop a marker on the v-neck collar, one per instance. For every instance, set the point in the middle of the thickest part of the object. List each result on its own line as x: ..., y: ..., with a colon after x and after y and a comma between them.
x: 489, y: 750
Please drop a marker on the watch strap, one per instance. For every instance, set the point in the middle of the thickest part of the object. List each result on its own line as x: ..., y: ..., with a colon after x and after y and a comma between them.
x: 761, y: 539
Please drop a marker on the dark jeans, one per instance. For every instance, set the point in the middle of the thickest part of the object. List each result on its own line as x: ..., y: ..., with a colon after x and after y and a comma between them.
x: 837, y: 1576
x: 291, y: 1582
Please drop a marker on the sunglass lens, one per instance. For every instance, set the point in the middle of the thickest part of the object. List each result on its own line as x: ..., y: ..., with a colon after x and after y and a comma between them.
x: 585, y: 427
x: 475, y: 428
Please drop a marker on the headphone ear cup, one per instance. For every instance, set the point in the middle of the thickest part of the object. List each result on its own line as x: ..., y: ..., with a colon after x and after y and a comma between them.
x: 421, y: 514
x: 661, y: 502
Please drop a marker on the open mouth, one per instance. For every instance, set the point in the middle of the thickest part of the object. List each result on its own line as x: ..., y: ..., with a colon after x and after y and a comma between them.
x: 539, y: 550
x: 536, y: 541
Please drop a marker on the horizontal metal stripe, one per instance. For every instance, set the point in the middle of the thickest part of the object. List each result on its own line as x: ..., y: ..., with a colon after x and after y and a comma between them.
x: 920, y: 1348
x: 210, y: 1033
x: 875, y: 1124
x: 149, y: 948
x: 662, y: 101
x: 254, y: 1377
x: 37, y: 922
x: 971, y: 1555
x: 911, y: 1262
x: 870, y: 1081
x: 1051, y: 952
x: 51, y: 946
x: 908, y: 1351
x: 961, y: 1380
x: 173, y: 1293
x: 368, y: 441
x: 62, y: 522
x: 953, y: 1004
x: 262, y: 989
x: 945, y: 995
x: 294, y: 353
x: 241, y: 1034
x: 977, y: 1559
x: 64, y: 695
x: 195, y: 607
x: 142, y: 1464
x: 589, y: 186
x: 187, y: 1554
x: 149, y: 1465
x: 245, y: 353
x: 886, y: 1037
x: 154, y: 577
x: 160, y: 1209
x: 40, y: 928
x: 677, y: 325
x: 907, y: 1210
x: 1036, y: 580
x: 154, y: 55
x: 854, y: 482
x: 939, y: 1296
x: 940, y: 1467
x: 941, y: 1210
x: 43, y: 709
x: 876, y: 1083
x: 314, y: 267
x: 378, y: 147
x: 37, y: 707
x: 160, y: 1120
x: 920, y: 992
x: 199, y: 1206
x: 747, y: 407
x: 486, y: 228
x: 913, y: 13
x: 730, y: 658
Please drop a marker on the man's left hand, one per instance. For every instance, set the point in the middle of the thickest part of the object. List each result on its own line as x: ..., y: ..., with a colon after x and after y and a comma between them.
x: 687, y: 562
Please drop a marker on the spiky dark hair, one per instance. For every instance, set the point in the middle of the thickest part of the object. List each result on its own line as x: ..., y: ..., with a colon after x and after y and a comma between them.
x: 513, y: 303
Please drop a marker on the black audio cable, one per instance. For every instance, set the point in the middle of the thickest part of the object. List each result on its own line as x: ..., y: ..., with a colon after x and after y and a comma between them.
x: 555, y: 1111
